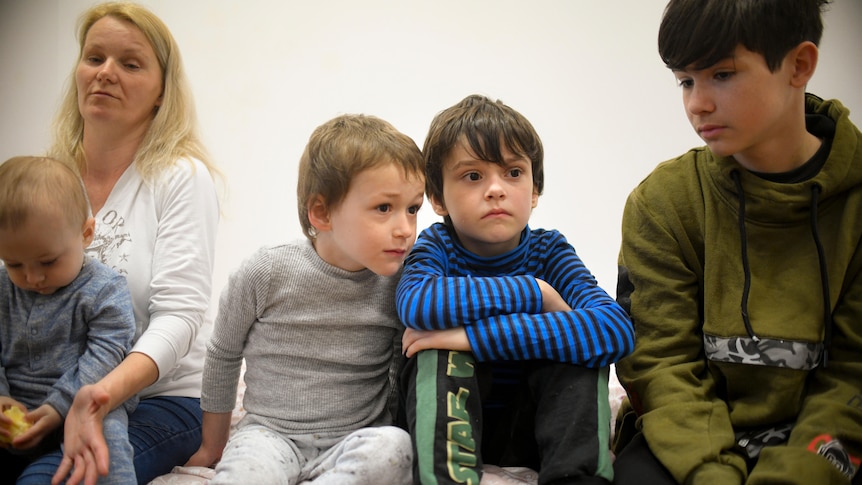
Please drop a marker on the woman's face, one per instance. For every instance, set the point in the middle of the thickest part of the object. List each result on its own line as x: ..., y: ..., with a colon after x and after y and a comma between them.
x: 118, y: 76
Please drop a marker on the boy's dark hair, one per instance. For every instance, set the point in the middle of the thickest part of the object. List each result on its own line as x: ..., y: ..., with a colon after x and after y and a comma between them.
x: 699, y: 33
x: 483, y: 123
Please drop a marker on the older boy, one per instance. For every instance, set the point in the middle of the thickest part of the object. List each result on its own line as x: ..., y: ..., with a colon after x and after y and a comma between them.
x: 65, y: 319
x: 513, y: 334
x: 741, y: 263
x: 315, y: 321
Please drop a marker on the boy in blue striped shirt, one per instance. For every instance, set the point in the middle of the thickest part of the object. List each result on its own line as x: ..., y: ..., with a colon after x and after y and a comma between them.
x: 508, y: 335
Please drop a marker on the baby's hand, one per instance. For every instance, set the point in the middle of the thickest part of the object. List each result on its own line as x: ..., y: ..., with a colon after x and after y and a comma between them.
x: 449, y: 339
x: 551, y: 299
x: 44, y: 419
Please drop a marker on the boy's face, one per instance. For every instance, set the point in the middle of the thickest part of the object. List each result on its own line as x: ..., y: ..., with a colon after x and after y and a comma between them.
x: 374, y: 226
x: 489, y: 204
x: 46, y: 253
x: 740, y: 108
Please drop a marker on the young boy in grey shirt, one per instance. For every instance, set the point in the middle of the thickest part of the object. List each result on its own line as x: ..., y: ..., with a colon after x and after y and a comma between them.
x: 315, y: 321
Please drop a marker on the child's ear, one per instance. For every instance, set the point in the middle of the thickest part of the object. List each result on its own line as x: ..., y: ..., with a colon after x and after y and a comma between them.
x: 88, y: 231
x: 535, y: 197
x: 804, y: 59
x: 318, y: 213
x: 438, y: 206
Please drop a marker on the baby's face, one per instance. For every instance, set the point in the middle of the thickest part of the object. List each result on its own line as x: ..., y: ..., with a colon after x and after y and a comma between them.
x: 46, y: 253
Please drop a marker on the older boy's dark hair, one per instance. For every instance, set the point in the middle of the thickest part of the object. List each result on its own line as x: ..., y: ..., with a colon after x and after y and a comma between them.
x: 483, y: 123
x: 699, y: 33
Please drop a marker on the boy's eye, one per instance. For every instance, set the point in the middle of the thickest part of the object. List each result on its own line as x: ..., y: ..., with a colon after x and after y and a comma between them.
x: 473, y: 176
x: 685, y: 83
x: 724, y: 75
x: 515, y: 172
x: 384, y: 208
x: 413, y: 210
x: 49, y: 263
x: 12, y: 265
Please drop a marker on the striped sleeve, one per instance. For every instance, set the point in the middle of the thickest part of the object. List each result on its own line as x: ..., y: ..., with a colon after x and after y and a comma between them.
x: 502, y: 314
x: 429, y: 298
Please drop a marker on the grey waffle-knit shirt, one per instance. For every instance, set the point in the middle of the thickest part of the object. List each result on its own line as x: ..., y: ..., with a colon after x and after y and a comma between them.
x: 318, y: 343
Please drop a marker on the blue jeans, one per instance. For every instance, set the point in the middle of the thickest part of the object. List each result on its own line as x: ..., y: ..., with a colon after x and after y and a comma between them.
x: 164, y: 432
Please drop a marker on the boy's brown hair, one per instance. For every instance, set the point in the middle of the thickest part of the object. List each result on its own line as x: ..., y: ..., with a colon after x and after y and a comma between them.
x: 341, y: 148
x: 28, y: 183
x: 484, y: 124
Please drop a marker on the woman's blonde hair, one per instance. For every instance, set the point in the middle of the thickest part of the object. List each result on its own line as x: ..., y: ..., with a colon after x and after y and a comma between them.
x: 173, y: 133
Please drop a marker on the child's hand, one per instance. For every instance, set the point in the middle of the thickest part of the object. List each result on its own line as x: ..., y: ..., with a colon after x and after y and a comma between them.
x: 449, y: 339
x: 45, y: 419
x: 551, y: 299
x: 214, y: 435
x: 204, y: 457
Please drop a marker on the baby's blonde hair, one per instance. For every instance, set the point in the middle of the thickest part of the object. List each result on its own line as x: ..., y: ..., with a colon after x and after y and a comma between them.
x: 29, y: 183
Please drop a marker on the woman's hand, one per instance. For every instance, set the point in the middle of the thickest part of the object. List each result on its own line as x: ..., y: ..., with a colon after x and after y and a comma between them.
x: 85, y: 452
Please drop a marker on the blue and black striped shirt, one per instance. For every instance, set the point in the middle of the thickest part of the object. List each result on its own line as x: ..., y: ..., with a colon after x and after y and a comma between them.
x: 499, y: 303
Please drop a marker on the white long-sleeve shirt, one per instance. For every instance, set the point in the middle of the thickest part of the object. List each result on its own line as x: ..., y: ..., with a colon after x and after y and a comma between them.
x: 161, y: 236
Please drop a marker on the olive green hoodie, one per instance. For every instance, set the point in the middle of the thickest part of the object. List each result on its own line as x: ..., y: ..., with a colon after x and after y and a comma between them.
x: 727, y: 297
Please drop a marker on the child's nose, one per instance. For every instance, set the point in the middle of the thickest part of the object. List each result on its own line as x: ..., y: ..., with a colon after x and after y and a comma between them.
x: 34, y: 276
x: 404, y: 226
x: 699, y: 100
x: 495, y: 188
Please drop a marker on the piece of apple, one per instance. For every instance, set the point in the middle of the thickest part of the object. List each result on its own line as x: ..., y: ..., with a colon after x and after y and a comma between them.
x: 18, y: 426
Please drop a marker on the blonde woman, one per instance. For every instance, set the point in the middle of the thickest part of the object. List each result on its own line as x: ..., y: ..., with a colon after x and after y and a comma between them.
x: 127, y: 122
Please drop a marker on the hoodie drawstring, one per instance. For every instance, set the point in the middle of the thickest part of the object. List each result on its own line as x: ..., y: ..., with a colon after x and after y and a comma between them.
x: 824, y: 275
x: 746, y: 270
x: 821, y: 256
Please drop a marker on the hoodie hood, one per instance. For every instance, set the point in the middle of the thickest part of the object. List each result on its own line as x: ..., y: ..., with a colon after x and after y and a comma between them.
x: 772, y: 202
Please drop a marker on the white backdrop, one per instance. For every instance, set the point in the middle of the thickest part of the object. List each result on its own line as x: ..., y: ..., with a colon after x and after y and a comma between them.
x: 266, y: 73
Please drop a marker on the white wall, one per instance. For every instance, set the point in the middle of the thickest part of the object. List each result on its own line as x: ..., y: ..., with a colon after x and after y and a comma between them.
x: 266, y: 73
